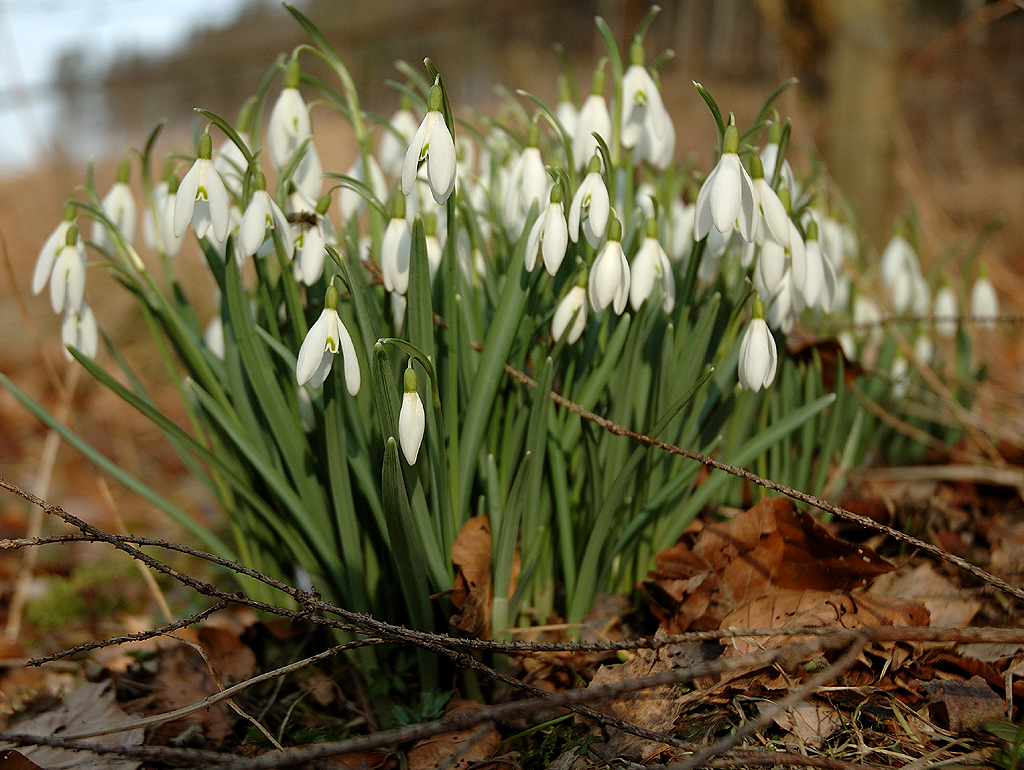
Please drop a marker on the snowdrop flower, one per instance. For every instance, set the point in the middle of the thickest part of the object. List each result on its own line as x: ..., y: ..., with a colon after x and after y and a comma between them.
x: 202, y: 198
x: 170, y: 244
x: 646, y: 125
x: 759, y: 357
x: 311, y: 234
x: 681, y: 216
x: 782, y: 310
x: 151, y: 216
x: 924, y: 349
x: 573, y: 307
x: 590, y: 207
x: 432, y: 142
x: 900, y: 271
x: 213, y: 336
x: 119, y: 206
x: 261, y: 217
x: 67, y: 279
x: 984, y: 301
x: 609, y: 275
x: 394, y: 144
x: 434, y: 249
x: 528, y: 182
x: 770, y: 157
x: 773, y: 217
x: 594, y: 118
x: 316, y: 355
x: 353, y: 203
x: 396, y: 249
x: 820, y: 285
x: 411, y: 418
x: 48, y: 253
x: 230, y: 161
x: 289, y: 124
x: 649, y: 265
x: 398, y: 303
x: 79, y: 330
x: 727, y: 199
x: 867, y: 318
x: 899, y: 372
x: 771, y: 266
x: 549, y: 236
x: 945, y: 311
x: 565, y: 110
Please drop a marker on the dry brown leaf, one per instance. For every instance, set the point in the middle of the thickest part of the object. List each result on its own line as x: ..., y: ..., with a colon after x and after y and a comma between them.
x: 949, y: 605
x: 431, y: 752
x: 89, y: 707
x: 959, y: 706
x: 472, y: 594
x: 771, y: 546
x: 15, y: 760
x: 811, y: 722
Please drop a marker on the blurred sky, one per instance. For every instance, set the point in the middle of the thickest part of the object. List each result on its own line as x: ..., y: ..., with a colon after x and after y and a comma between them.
x: 34, y: 33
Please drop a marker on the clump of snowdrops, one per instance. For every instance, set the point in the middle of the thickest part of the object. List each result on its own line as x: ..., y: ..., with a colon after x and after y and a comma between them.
x: 350, y: 406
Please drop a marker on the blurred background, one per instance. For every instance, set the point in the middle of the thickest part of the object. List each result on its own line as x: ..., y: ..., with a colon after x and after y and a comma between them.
x: 901, y: 100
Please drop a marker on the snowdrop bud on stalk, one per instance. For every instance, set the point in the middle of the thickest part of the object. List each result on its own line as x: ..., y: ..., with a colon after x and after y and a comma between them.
x: 202, y: 198
x: 316, y: 355
x: 727, y: 199
x: 396, y: 249
x: 682, y: 217
x: 770, y: 157
x: 48, y: 254
x: 900, y: 272
x: 119, y: 206
x: 311, y: 244
x: 758, y: 355
x: 820, y: 286
x: 773, y: 219
x: 867, y: 318
x: 565, y: 110
x: 549, y: 237
x: 984, y: 301
x: 67, y: 280
x: 594, y: 118
x: 650, y: 265
x: 945, y: 311
x: 573, y: 307
x: 646, y: 124
x: 169, y: 242
x: 432, y: 142
x: 411, y: 418
x: 289, y: 124
x: 79, y: 330
x: 899, y: 372
x: 590, y: 206
x: 609, y: 275
x: 434, y: 250
x: 392, y: 147
x: 261, y: 217
x: 527, y: 183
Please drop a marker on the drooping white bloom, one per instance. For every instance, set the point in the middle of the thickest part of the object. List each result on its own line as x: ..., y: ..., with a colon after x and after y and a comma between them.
x: 568, y: 116
x: 727, y: 200
x: 231, y: 164
x: 549, y: 236
x: 773, y: 219
x: 169, y: 242
x: 900, y: 371
x: 151, y: 217
x: 769, y: 157
x: 771, y: 266
x: 411, y: 419
x: 924, y: 349
x: 609, y: 275
x: 984, y: 302
x: 867, y: 318
x: 759, y: 357
x: 48, y: 253
x: 646, y: 124
x: 432, y: 142
x: 398, y: 303
x: 527, y: 182
x: 316, y: 355
x: 594, y: 118
x: 119, y: 206
x: 780, y: 314
x: 261, y: 217
x: 573, y: 307
x: 945, y: 311
x: 900, y: 272
x: 213, y: 336
x: 289, y: 124
x: 352, y: 203
x: 392, y: 147
x: 590, y: 207
x: 650, y: 265
x: 67, y: 280
x: 395, y: 254
x: 311, y: 234
x: 682, y: 217
x: 202, y: 198
x: 79, y: 330
x: 820, y: 284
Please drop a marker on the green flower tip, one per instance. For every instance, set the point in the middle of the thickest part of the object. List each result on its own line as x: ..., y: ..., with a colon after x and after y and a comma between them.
x: 172, y: 184
x: 564, y: 92
x: 124, y: 171
x: 784, y: 197
x: 398, y: 206
x: 323, y: 204
x: 69, y: 211
x: 614, y: 228
x: 982, y: 270
x: 594, y: 167
x: 597, y: 82
x: 758, y: 306
x: 636, y: 53
x: 435, y: 99
x: 556, y: 192
x: 168, y: 169
x: 774, y: 131
x: 293, y: 74
x: 652, y: 228
x: 72, y: 236
x: 410, y: 379
x: 756, y: 167
x: 259, y: 181
x: 405, y: 102
x: 731, y: 142
x: 206, y: 145
x: 812, y: 231
x: 331, y: 297
x: 533, y: 135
